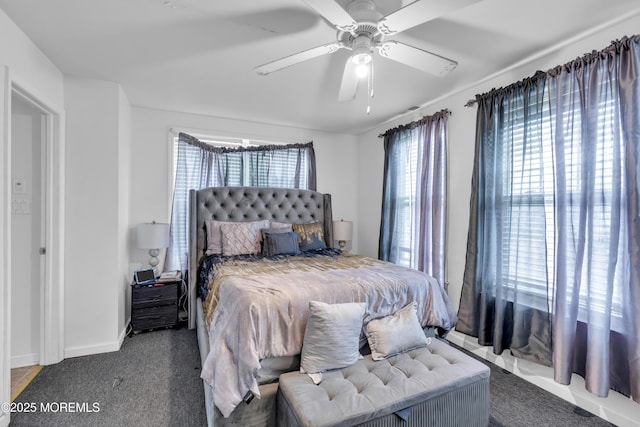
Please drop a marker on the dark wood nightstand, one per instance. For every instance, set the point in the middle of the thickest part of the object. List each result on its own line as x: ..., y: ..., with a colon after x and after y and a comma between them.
x: 154, y: 306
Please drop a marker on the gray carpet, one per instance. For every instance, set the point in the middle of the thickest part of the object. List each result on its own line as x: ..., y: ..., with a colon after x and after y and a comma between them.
x: 154, y: 381
x: 516, y: 402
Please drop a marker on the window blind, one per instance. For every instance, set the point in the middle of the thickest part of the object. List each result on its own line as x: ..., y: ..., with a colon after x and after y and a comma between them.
x: 529, y: 226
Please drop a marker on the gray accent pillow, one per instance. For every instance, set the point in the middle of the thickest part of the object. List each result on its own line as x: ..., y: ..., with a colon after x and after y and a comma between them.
x: 332, y: 337
x: 276, y: 230
x: 280, y: 243
x: 396, y: 333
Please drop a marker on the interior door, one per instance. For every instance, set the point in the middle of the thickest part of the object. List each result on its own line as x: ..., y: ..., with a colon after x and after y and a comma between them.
x: 28, y: 128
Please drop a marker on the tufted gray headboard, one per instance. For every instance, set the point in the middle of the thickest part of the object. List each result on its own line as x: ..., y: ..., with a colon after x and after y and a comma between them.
x: 240, y: 204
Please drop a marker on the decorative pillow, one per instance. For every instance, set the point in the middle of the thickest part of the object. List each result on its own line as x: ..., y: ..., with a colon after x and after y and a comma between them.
x: 280, y: 242
x: 240, y: 238
x: 331, y: 339
x: 214, y: 238
x: 310, y: 235
x: 280, y: 225
x: 396, y: 333
x: 277, y: 230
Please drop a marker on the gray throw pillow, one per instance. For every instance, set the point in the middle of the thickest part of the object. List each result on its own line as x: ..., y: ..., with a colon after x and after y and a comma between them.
x: 279, y: 243
x: 332, y: 336
x: 396, y: 333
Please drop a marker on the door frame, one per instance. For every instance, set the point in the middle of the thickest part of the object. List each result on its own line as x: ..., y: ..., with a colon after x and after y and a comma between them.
x: 52, y: 296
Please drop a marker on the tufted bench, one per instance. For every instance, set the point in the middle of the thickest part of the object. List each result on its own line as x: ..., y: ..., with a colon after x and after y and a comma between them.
x: 435, y: 385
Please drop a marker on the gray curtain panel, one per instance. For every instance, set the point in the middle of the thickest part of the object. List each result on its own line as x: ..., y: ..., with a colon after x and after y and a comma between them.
x: 553, y: 252
x: 201, y: 165
x: 505, y: 291
x: 413, y: 221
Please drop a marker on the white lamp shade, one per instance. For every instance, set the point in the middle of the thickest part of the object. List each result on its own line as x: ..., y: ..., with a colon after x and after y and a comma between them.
x: 153, y: 235
x: 342, y: 230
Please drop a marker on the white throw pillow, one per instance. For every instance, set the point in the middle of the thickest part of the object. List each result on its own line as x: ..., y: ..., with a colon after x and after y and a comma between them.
x: 332, y: 336
x: 214, y: 237
x: 396, y: 333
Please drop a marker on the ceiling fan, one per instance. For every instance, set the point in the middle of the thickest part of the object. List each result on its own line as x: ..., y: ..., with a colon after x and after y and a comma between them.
x: 363, y: 30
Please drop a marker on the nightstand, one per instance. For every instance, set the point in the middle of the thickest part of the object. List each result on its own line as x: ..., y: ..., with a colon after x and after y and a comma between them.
x: 154, y: 306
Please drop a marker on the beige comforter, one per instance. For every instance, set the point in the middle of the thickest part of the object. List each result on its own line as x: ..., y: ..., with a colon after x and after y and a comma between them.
x: 258, y: 310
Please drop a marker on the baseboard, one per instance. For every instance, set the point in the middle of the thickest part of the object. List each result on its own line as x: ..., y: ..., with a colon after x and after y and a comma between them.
x: 89, y: 350
x: 617, y: 408
x: 25, y: 360
x: 123, y: 335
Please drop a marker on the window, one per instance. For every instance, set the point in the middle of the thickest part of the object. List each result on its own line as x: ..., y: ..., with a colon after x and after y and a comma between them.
x: 531, y: 201
x: 552, y: 257
x: 406, y: 204
x: 413, y: 223
x: 207, y: 162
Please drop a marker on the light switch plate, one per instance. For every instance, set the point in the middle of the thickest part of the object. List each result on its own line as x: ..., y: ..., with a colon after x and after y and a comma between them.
x: 19, y: 185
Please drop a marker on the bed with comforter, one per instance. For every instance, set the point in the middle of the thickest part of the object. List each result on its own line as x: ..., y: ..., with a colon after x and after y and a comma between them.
x: 253, y: 303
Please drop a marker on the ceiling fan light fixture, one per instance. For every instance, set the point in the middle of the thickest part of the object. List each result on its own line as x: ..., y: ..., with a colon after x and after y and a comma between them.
x: 361, y: 51
x: 362, y: 70
x: 362, y: 58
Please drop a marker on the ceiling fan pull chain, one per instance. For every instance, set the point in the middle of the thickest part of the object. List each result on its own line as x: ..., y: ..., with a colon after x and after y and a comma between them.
x: 371, y: 77
x: 369, y: 88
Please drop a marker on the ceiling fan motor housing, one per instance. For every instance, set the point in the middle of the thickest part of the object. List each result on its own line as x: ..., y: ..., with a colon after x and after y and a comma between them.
x: 366, y: 36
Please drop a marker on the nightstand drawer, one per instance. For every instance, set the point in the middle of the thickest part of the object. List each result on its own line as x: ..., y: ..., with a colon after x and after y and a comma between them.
x: 154, y: 317
x: 152, y: 296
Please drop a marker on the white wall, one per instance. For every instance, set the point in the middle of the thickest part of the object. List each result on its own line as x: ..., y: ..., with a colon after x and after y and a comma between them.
x: 96, y: 213
x: 461, y: 149
x: 124, y: 183
x: 26, y: 139
x: 27, y: 65
x: 336, y: 159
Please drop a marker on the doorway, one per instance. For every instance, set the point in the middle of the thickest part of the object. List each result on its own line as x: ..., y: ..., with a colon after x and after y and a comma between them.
x: 49, y: 344
x: 28, y: 233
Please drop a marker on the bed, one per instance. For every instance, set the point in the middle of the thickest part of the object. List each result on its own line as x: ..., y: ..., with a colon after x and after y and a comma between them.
x: 251, y: 321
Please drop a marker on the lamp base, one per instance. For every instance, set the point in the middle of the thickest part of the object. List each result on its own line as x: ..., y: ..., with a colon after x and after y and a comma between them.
x: 342, y: 244
x: 153, y: 261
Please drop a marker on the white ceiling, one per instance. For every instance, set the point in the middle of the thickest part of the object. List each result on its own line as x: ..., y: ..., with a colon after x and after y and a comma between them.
x: 197, y: 56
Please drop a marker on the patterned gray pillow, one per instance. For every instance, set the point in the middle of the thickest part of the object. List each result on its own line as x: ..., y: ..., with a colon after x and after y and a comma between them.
x: 396, y: 333
x: 332, y: 336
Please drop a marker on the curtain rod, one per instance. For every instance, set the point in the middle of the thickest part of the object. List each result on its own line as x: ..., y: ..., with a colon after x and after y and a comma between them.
x: 415, y: 123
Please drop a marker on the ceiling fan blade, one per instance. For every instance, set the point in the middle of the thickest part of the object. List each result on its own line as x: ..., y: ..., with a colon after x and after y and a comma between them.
x: 418, y: 12
x: 334, y: 13
x: 349, y: 84
x: 296, y: 58
x: 417, y: 58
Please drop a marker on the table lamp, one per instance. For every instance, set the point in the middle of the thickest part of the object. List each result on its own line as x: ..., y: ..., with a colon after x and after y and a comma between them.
x: 153, y: 236
x: 342, y: 232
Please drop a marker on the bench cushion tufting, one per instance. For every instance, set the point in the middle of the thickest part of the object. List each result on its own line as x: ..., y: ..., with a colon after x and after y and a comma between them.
x: 371, y: 390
